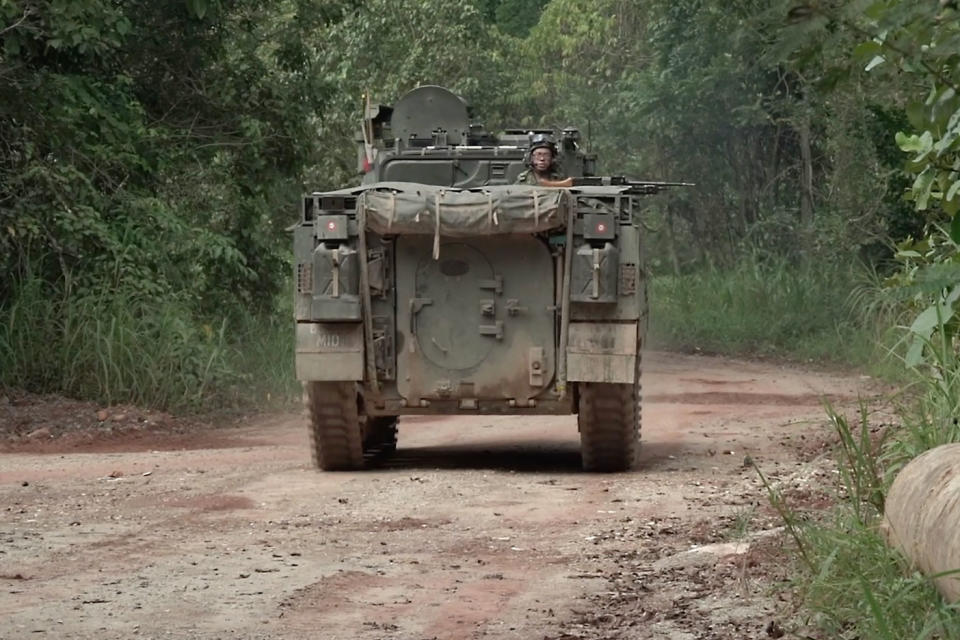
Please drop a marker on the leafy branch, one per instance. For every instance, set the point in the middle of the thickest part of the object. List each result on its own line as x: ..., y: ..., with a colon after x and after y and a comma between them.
x: 23, y: 18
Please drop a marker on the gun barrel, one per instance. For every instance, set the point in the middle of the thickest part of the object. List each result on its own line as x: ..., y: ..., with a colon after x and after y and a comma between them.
x: 662, y: 184
x: 650, y: 185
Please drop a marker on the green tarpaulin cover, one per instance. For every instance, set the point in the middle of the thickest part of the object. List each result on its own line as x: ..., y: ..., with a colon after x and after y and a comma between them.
x: 409, y: 208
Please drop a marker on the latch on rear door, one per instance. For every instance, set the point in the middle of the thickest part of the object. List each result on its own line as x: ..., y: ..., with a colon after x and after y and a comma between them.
x: 513, y: 307
x: 536, y: 366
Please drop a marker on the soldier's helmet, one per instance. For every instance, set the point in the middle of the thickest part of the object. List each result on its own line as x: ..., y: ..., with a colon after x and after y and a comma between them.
x: 542, y: 141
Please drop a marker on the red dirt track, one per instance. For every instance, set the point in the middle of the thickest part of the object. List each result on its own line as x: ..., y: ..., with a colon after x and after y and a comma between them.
x: 478, y: 527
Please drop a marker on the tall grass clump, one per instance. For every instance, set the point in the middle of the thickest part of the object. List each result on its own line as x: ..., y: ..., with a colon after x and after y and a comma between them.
x: 117, y: 346
x: 261, y: 351
x: 763, y: 306
x: 852, y: 584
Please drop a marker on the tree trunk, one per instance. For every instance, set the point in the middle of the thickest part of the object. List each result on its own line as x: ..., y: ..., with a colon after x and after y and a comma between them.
x: 806, y: 171
x: 672, y: 243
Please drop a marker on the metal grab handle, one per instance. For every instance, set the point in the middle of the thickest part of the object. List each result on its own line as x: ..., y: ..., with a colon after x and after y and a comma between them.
x: 416, y: 304
x: 335, y: 270
x: 495, y: 284
x: 495, y: 330
x: 595, y: 293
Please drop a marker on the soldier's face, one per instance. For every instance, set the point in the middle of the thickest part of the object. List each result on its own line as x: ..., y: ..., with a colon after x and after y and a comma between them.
x: 541, y: 159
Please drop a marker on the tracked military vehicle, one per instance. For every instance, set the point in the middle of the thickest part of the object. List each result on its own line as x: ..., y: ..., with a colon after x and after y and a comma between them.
x: 437, y: 286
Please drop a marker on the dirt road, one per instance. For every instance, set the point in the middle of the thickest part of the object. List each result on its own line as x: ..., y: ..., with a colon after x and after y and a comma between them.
x: 479, y: 527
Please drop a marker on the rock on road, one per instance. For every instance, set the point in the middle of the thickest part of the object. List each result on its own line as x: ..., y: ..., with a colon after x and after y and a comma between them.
x: 479, y: 527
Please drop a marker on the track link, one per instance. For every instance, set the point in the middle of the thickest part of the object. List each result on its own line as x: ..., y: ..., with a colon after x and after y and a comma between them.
x: 336, y: 434
x: 381, y: 435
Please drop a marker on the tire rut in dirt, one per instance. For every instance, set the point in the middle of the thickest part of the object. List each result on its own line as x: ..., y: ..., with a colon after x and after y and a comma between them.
x: 336, y: 436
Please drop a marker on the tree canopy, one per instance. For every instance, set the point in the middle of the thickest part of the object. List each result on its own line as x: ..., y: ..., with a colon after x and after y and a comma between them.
x: 157, y: 150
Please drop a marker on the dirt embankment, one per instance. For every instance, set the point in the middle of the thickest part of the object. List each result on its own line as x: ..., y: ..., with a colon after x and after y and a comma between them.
x: 120, y: 523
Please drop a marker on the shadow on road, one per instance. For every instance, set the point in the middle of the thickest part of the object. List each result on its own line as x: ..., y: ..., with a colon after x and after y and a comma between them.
x: 494, y: 456
x: 525, y: 457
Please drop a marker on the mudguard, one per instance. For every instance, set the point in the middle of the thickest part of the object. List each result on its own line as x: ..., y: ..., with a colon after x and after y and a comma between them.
x: 602, y: 352
x: 329, y: 351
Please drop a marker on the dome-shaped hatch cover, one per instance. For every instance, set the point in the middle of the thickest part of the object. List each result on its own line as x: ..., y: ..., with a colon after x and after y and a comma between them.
x: 426, y: 109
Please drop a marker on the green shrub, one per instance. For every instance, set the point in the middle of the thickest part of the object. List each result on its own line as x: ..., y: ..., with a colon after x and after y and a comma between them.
x: 851, y: 582
x: 772, y: 306
x: 116, y: 346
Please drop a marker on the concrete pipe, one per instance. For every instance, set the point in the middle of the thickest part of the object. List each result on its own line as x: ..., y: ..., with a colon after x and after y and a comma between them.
x: 922, y: 515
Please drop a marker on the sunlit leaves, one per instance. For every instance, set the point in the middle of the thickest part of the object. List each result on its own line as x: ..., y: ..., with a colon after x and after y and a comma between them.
x: 921, y: 144
x: 937, y: 319
x: 924, y: 40
x: 875, y: 62
x: 921, y: 41
x: 923, y: 187
x: 912, y: 47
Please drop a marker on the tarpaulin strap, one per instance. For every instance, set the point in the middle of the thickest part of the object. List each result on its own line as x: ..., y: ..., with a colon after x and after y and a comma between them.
x: 490, y: 217
x: 393, y: 209
x: 436, y: 230
x: 536, y: 208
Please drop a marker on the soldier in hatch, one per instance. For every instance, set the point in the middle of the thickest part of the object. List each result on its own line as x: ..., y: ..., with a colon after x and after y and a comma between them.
x: 542, y: 156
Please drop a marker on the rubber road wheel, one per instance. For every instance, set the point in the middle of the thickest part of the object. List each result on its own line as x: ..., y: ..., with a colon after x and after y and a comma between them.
x: 609, y: 421
x: 336, y: 434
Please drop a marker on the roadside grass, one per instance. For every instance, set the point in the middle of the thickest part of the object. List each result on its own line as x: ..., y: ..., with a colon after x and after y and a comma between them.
x: 857, y: 587
x: 851, y: 583
x: 261, y: 354
x: 738, y: 530
x: 800, y: 310
x: 117, y: 346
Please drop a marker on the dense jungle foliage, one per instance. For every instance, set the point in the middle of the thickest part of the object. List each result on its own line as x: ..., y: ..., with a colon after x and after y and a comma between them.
x: 151, y: 155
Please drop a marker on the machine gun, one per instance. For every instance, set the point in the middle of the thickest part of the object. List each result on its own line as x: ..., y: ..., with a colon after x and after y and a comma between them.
x: 636, y: 186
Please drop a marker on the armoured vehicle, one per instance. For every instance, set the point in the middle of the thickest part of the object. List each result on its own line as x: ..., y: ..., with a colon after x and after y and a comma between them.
x: 436, y: 286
